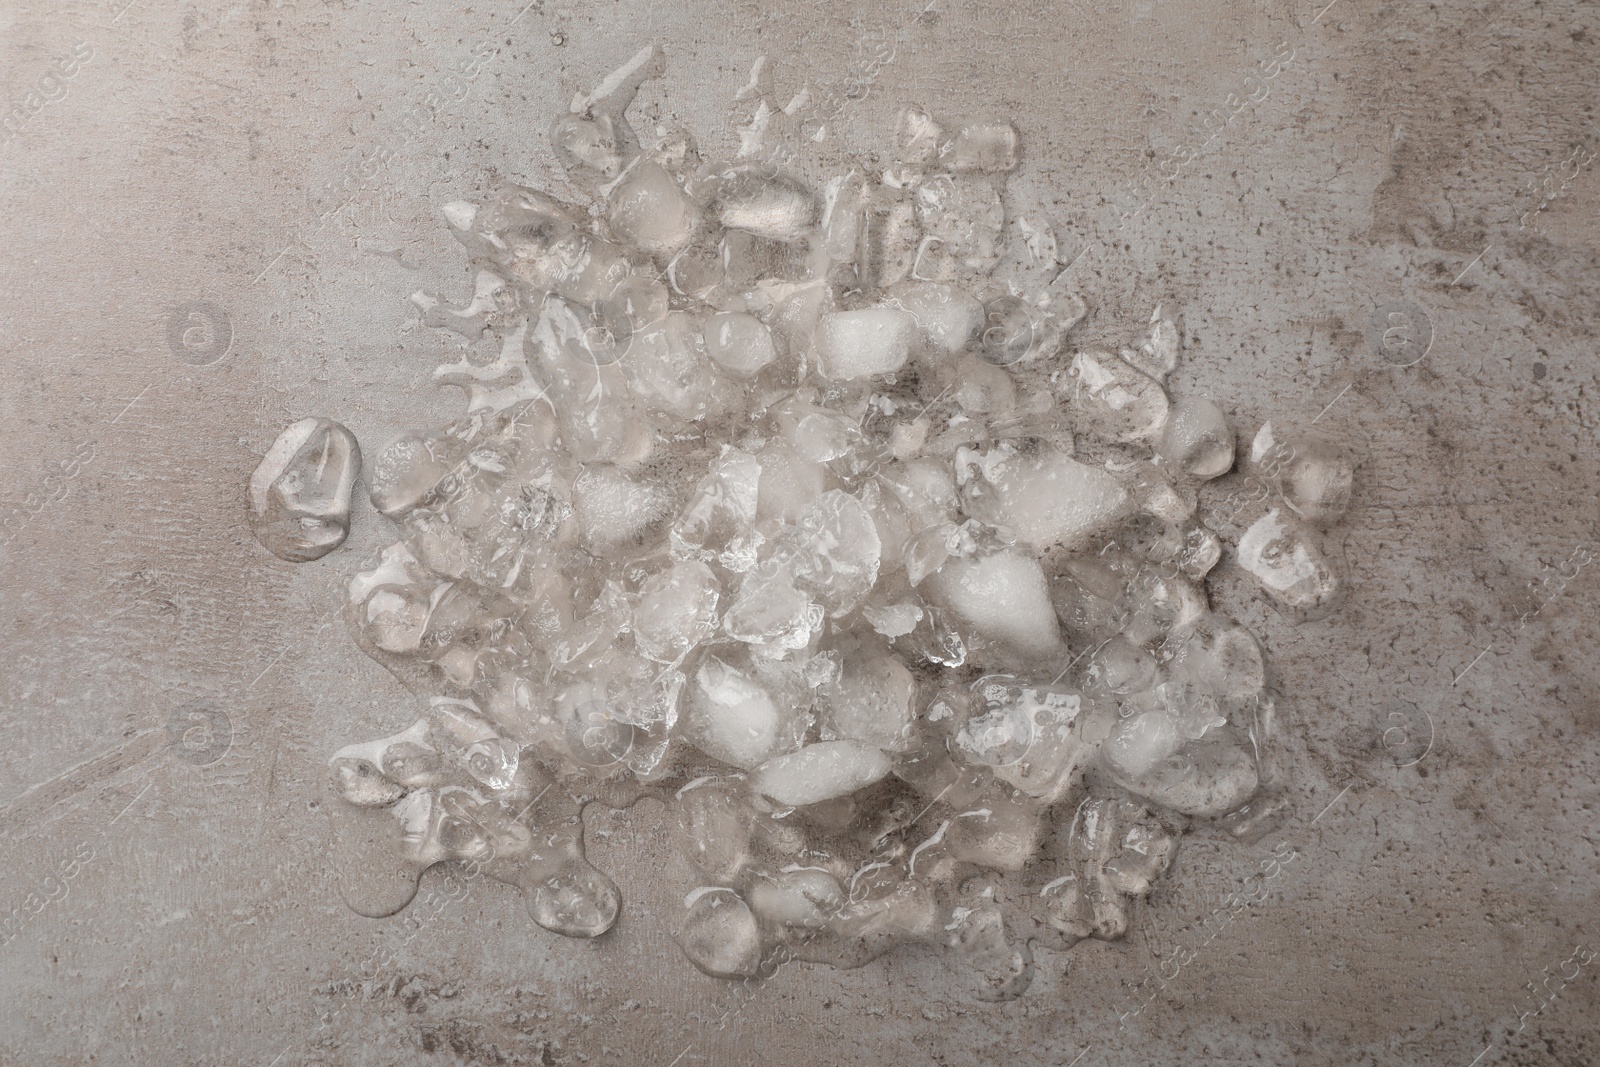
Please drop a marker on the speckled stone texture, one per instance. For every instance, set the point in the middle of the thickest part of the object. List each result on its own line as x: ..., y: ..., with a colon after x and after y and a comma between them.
x: 213, y: 217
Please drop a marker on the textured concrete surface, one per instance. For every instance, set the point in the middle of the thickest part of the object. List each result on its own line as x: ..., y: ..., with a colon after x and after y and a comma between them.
x: 212, y: 218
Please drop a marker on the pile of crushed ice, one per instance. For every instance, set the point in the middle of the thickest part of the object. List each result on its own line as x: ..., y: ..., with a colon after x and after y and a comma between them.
x: 776, y: 502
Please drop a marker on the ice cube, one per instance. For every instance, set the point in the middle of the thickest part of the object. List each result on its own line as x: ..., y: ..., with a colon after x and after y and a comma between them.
x: 677, y: 610
x: 1157, y: 355
x: 947, y: 318
x: 820, y: 772
x: 1313, y: 475
x: 730, y: 716
x: 1027, y: 734
x: 776, y: 206
x: 714, y: 824
x: 805, y: 897
x: 836, y: 552
x: 1043, y: 496
x: 668, y: 368
x: 963, y: 221
x: 621, y: 517
x: 575, y: 901
x: 1004, y: 963
x: 650, y: 211
x: 865, y: 343
x: 720, y: 934
x: 889, y: 240
x: 739, y: 343
x: 871, y: 701
x: 1116, y: 400
x: 770, y: 614
x: 790, y: 483
x: 300, y: 493
x: 982, y: 388
x: 989, y: 147
x: 1015, y: 330
x: 1204, y: 778
x: 1285, y: 561
x: 409, y: 468
x: 1004, y: 598
x: 1197, y: 440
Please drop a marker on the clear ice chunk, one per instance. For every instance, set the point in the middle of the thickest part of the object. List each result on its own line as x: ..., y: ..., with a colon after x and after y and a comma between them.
x: 1117, y: 401
x: 836, y: 552
x: 1313, y: 476
x: 677, y: 610
x: 1285, y: 561
x: 1197, y: 440
x: 963, y: 223
x: 739, y: 343
x: 948, y: 319
x: 720, y: 934
x: 778, y: 207
x: 650, y: 211
x: 732, y: 717
x: 300, y: 493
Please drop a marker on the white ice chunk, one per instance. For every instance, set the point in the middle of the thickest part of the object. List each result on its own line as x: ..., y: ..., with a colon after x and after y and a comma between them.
x: 1004, y: 598
x: 1045, y: 498
x: 739, y: 343
x: 820, y: 772
x: 731, y: 716
x: 865, y: 343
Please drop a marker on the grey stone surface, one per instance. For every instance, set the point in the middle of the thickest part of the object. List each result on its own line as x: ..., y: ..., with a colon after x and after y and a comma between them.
x: 176, y: 286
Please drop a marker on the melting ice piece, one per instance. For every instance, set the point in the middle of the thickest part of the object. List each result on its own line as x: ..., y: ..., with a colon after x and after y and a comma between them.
x: 1015, y: 330
x: 770, y: 612
x: 300, y: 494
x: 947, y: 318
x: 820, y: 772
x: 1284, y: 560
x: 621, y: 517
x: 836, y: 552
x: 720, y: 934
x: 1115, y: 852
x: 714, y: 825
x: 1157, y: 355
x: 807, y: 898
x: 1028, y: 734
x: 1004, y: 964
x: 1116, y: 400
x: 889, y: 239
x: 650, y: 211
x: 739, y: 343
x: 1197, y: 440
x: 959, y: 147
x: 409, y: 468
x: 778, y: 207
x: 732, y: 717
x: 576, y: 901
x: 1004, y: 598
x: 1043, y: 496
x: 1313, y: 475
x: 864, y: 344
x: 963, y: 221
x: 1206, y: 778
x: 871, y: 701
x: 677, y: 610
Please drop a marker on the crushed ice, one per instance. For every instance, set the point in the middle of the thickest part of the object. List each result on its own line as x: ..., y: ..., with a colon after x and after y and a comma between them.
x: 767, y: 502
